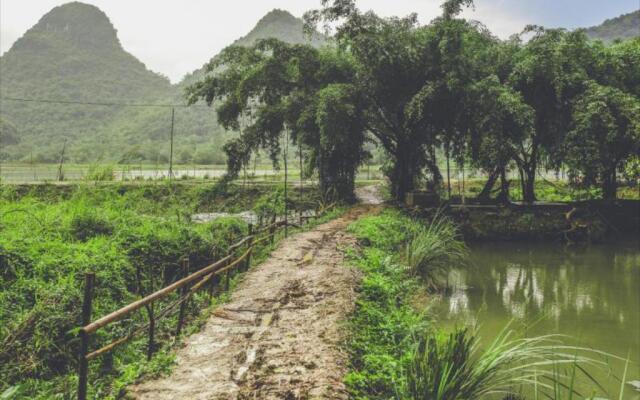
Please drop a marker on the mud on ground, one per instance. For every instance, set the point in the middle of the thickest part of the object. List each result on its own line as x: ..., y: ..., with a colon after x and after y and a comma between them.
x: 280, y: 335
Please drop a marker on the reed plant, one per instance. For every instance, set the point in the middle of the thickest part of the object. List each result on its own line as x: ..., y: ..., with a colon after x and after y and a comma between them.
x: 456, y: 367
x: 435, y: 249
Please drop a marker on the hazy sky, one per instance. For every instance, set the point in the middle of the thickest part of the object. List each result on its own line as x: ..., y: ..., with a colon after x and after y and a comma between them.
x: 176, y: 37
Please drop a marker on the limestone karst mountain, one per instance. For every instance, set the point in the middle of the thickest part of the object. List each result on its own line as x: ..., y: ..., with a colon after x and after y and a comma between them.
x: 73, y: 54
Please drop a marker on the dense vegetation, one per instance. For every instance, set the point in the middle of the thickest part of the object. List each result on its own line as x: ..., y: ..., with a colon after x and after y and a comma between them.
x: 73, y: 54
x: 303, y: 92
x: 556, y: 100
x: 132, y: 237
x: 624, y: 27
x: 398, y: 351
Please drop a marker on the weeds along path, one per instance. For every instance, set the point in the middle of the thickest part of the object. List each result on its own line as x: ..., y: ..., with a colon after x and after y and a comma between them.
x: 279, y: 336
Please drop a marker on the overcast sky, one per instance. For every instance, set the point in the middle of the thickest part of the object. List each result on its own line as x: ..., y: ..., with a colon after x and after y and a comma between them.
x: 176, y: 37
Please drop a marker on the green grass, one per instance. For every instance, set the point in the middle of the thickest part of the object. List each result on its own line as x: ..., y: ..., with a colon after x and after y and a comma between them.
x: 50, y: 236
x: 385, y: 324
x: 398, y: 351
x: 548, y: 190
x: 434, y: 249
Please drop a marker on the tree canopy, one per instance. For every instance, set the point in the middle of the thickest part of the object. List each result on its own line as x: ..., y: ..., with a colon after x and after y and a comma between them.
x: 526, y: 103
x: 274, y: 90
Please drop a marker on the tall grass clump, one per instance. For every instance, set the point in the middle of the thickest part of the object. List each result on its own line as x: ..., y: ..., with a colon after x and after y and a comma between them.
x: 435, y: 249
x: 456, y: 367
x: 99, y: 173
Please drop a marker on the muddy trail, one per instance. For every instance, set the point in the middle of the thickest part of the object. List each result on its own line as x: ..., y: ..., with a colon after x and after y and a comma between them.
x: 279, y: 336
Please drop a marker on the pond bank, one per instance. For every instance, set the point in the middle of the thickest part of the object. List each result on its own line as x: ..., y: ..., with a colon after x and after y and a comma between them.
x: 592, y: 221
x: 401, y: 349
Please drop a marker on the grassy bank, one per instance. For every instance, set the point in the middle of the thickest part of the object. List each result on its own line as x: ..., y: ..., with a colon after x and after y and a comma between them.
x: 398, y: 351
x: 160, y: 197
x: 132, y: 237
x: 551, y: 190
x: 385, y: 323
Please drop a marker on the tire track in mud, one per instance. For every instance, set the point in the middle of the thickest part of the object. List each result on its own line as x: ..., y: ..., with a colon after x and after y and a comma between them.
x: 279, y: 336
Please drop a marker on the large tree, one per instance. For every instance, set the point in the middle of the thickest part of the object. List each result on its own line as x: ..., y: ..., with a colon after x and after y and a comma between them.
x: 548, y: 72
x: 412, y: 79
x: 287, y: 91
x: 605, y: 134
x: 503, y: 123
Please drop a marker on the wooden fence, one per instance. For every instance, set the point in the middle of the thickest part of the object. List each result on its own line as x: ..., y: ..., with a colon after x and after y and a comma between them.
x: 238, y: 258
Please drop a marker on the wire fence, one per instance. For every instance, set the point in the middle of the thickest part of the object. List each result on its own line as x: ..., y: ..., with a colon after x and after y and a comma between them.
x: 164, y: 141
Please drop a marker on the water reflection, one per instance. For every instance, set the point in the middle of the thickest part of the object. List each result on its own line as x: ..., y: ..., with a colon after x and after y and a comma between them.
x: 591, y: 294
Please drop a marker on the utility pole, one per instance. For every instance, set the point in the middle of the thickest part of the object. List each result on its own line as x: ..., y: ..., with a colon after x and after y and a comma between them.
x: 173, y: 112
x: 300, y: 156
x: 33, y: 169
x: 448, y: 171
x: 286, y: 151
x: 60, y: 175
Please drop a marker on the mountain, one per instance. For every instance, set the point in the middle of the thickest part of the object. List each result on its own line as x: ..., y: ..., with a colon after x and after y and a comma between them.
x: 626, y: 26
x: 73, y: 54
x: 279, y: 24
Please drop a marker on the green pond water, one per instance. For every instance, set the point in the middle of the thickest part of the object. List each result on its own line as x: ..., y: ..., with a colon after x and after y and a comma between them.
x: 591, y: 294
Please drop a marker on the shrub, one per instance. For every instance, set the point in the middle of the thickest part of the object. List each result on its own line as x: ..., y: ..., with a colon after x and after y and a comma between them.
x: 87, y: 225
x: 270, y: 204
x: 100, y: 173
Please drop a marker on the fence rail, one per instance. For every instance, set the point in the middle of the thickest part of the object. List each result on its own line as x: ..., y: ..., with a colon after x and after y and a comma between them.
x: 189, y: 284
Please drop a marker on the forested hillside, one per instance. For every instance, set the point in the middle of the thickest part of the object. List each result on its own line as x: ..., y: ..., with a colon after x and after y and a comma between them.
x: 277, y: 24
x: 73, y: 54
x: 623, y: 27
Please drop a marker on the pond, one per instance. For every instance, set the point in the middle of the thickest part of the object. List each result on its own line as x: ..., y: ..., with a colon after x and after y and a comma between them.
x: 591, y: 294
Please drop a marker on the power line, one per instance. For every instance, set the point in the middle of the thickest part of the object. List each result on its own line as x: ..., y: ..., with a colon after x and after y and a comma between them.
x: 107, y: 104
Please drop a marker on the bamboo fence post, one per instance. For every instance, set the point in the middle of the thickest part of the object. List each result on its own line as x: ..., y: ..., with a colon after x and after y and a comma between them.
x: 183, y: 292
x: 152, y: 331
x: 214, y: 280
x: 272, y: 229
x: 152, y: 319
x: 83, y: 363
x: 249, y: 245
x: 227, y: 274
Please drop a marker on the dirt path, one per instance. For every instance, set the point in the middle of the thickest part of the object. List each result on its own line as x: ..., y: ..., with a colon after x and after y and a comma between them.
x: 279, y: 336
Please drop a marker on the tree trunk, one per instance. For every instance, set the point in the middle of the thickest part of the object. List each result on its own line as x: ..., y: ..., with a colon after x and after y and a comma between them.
x: 432, y: 166
x: 448, y: 172
x: 610, y: 186
x: 528, y: 193
x: 485, y: 194
x: 503, y: 196
x: 402, y: 179
x: 527, y: 173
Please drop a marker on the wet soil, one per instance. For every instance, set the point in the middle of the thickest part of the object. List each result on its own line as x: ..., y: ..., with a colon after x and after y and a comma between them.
x: 281, y: 334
